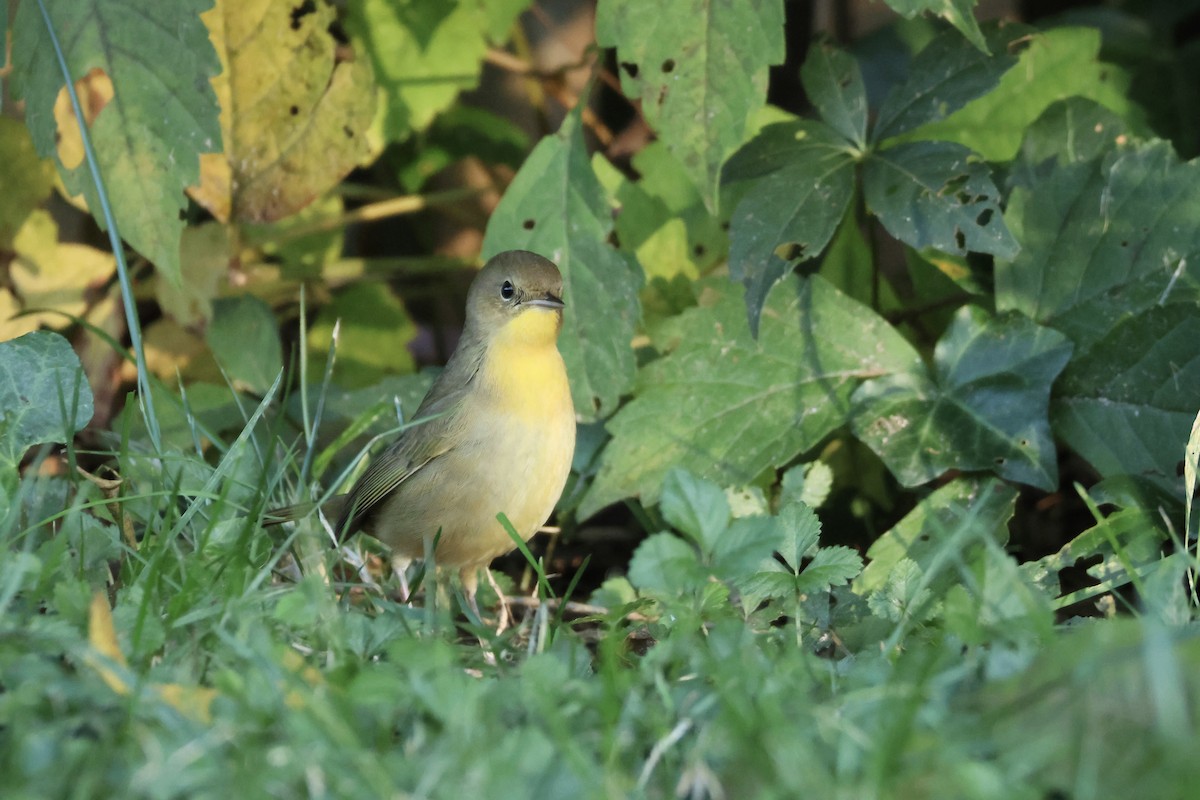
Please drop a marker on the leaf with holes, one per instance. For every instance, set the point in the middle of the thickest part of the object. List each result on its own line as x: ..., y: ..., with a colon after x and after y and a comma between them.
x: 727, y: 406
x: 946, y: 75
x: 293, y: 116
x: 985, y: 408
x: 556, y: 207
x: 934, y: 194
x: 44, y: 396
x: 699, y: 69
x: 425, y: 54
x: 163, y: 114
x: 834, y: 85
x: 1057, y: 64
x: 800, y: 178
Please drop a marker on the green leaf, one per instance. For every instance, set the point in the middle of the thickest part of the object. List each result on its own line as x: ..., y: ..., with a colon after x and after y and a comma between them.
x: 425, y: 53
x: 742, y: 548
x: 830, y: 566
x: 1068, y: 132
x: 801, y: 530
x: 1057, y: 64
x: 1104, y: 241
x: 902, y: 594
x: 373, y: 337
x: 946, y: 75
x: 774, y: 584
x: 834, y: 84
x: 699, y: 69
x: 935, y: 194
x: 665, y: 563
x: 750, y: 404
x: 244, y: 339
x: 695, y: 507
x: 44, y: 396
x: 556, y: 207
x: 162, y: 116
x: 959, y: 13
x: 789, y: 213
x: 1127, y: 406
x: 985, y: 408
x: 945, y: 528
x: 809, y: 484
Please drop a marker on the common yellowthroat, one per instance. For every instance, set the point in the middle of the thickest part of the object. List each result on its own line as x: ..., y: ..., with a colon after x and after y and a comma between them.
x: 498, y: 435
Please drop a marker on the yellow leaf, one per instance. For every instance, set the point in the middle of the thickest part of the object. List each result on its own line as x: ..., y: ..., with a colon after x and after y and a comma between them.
x: 170, y: 347
x: 53, y: 276
x: 102, y: 635
x: 27, y: 178
x: 294, y: 115
x: 191, y: 701
x: 12, y: 326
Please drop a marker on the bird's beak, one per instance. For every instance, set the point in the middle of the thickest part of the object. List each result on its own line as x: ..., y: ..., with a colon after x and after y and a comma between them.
x: 549, y: 301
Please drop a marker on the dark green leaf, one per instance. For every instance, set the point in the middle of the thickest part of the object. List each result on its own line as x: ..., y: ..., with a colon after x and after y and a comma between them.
x: 834, y: 84
x: 935, y: 194
x: 773, y: 583
x: 556, y: 207
x: 44, y: 396
x: 245, y: 341
x: 789, y: 214
x: 985, y: 408
x: 1068, y: 132
x: 744, y: 546
x: 944, y: 77
x: 149, y: 138
x: 699, y: 69
x: 727, y: 406
x: 695, y: 507
x: 830, y: 566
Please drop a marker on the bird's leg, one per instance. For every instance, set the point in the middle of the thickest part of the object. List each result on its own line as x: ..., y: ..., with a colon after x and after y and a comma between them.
x: 470, y: 583
x: 400, y: 570
x: 506, y: 617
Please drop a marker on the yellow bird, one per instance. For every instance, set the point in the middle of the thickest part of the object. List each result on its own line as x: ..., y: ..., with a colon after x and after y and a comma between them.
x: 498, y: 433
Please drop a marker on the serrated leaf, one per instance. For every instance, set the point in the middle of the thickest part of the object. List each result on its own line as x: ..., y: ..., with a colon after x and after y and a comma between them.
x: 959, y: 13
x: 294, y: 119
x: 902, y: 594
x: 830, y: 566
x: 790, y: 212
x: 244, y: 339
x: 774, y: 583
x: 1057, y: 64
x: 426, y: 53
x: 947, y: 525
x: 744, y: 546
x: 834, y: 85
x: 163, y: 116
x: 28, y: 179
x: 809, y: 484
x: 699, y: 69
x: 373, y: 338
x: 985, y: 408
x: 556, y: 207
x: 44, y: 396
x: 665, y: 563
x: 944, y: 77
x: 1127, y: 405
x: 695, y: 507
x: 751, y: 404
x: 935, y: 194
x: 1103, y: 241
x: 801, y: 529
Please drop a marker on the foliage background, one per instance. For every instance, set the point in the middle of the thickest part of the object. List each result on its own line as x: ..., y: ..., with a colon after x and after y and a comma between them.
x: 881, y: 326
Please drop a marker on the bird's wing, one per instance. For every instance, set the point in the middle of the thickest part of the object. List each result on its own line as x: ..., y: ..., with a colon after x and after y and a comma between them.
x: 418, y: 446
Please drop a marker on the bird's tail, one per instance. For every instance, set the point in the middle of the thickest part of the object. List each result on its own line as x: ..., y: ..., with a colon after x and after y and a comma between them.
x: 277, y: 516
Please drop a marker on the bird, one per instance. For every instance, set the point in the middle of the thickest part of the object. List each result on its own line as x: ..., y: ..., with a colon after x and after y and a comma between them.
x: 495, y: 434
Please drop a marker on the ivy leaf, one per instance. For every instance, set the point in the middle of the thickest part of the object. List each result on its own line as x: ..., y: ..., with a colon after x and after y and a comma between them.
x: 44, y: 396
x: 948, y: 524
x: 985, y: 408
x: 162, y: 116
x: 426, y: 53
x: 935, y: 194
x: 834, y: 84
x: 789, y: 213
x: 294, y: 119
x: 1057, y: 64
x: 556, y: 207
x: 959, y: 13
x: 695, y: 507
x: 699, y: 69
x: 946, y: 75
x: 1113, y: 261
x: 751, y: 404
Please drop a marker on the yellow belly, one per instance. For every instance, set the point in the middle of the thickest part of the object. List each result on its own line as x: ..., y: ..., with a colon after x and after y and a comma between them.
x: 513, y: 458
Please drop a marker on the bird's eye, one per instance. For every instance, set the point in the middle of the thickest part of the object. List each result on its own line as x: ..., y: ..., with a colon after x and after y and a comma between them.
x: 507, y: 291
